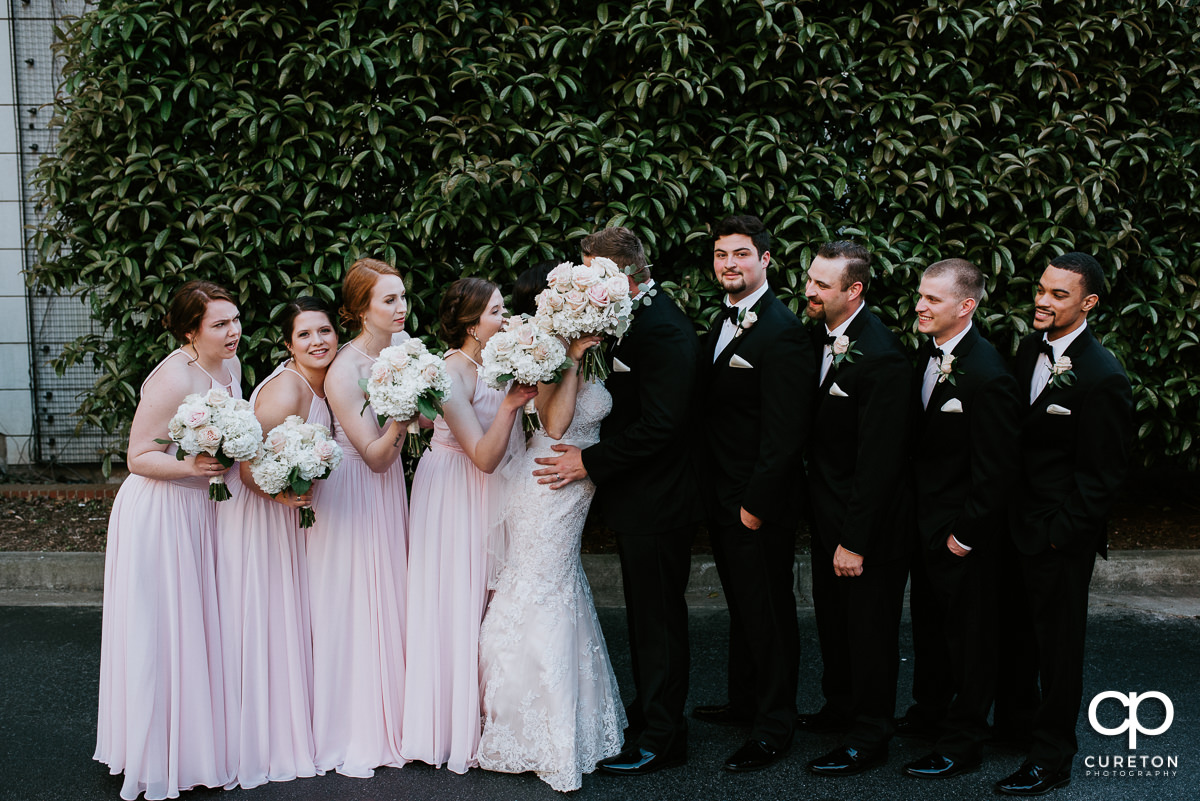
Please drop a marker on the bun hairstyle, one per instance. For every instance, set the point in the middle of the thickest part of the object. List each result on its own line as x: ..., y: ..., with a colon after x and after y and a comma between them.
x: 463, y: 304
x: 188, y: 305
x: 356, y: 289
x: 297, y: 307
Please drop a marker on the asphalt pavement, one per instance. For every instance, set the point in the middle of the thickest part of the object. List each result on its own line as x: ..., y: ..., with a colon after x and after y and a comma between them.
x: 49, y: 665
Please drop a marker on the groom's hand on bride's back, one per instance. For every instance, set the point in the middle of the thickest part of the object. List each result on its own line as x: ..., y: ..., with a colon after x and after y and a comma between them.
x: 561, y: 470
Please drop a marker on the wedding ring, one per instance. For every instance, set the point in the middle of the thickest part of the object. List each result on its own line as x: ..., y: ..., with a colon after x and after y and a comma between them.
x: 557, y: 477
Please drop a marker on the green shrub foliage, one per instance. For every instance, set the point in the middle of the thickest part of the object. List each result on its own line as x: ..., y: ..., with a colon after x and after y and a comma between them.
x: 266, y: 145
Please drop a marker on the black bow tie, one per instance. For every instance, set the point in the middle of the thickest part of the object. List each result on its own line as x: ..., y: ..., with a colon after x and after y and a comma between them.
x: 830, y: 339
x: 931, y: 351
x: 730, y: 313
x: 1044, y: 347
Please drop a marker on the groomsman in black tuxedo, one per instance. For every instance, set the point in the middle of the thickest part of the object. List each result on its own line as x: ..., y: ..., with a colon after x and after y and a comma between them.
x: 964, y: 461
x: 646, y: 490
x: 1074, y: 447
x: 860, y: 504
x: 755, y: 388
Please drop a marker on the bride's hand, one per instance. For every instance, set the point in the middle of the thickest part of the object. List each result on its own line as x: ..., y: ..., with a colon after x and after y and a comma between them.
x: 580, y: 346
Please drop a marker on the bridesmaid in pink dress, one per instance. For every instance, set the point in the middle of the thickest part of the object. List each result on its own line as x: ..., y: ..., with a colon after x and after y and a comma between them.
x: 262, y: 577
x: 452, y: 511
x: 357, y: 549
x: 161, y: 720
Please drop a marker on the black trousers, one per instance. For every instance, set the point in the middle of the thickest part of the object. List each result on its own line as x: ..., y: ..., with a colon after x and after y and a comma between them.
x: 858, y: 625
x: 756, y: 570
x: 953, y: 608
x: 1017, y: 694
x: 654, y: 572
x: 1058, y: 598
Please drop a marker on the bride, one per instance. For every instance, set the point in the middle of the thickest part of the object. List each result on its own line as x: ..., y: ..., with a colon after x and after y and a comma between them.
x: 550, y: 699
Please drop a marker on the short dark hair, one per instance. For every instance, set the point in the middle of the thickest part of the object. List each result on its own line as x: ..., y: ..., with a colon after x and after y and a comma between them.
x: 1085, y: 267
x: 747, y: 226
x: 296, y: 307
x: 858, y: 261
x: 619, y: 244
x: 529, y: 285
x: 968, y: 280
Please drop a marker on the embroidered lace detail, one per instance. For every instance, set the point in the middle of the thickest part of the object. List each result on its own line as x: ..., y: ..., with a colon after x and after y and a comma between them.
x: 550, y: 699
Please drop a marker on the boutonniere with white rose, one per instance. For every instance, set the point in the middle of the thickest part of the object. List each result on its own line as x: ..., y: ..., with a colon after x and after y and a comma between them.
x: 1061, y: 374
x: 946, y: 369
x: 843, y: 350
x: 746, y: 319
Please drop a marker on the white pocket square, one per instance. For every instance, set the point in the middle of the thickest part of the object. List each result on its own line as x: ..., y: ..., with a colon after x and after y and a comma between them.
x: 1054, y: 408
x: 738, y: 361
x: 952, y: 405
x: 837, y: 392
x: 619, y: 366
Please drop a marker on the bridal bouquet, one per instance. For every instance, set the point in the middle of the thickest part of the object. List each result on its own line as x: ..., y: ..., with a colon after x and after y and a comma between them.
x: 294, y: 455
x: 216, y: 424
x: 580, y: 300
x: 407, y: 379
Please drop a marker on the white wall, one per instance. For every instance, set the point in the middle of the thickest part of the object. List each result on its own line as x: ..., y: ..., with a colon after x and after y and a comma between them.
x: 16, y: 399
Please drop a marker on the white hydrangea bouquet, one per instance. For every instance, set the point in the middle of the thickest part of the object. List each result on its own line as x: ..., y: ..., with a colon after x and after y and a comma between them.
x: 527, y: 353
x: 404, y: 380
x: 294, y: 455
x: 581, y: 300
x: 216, y: 424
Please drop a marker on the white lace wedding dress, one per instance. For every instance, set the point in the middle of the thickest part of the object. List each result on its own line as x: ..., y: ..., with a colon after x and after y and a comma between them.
x: 550, y: 699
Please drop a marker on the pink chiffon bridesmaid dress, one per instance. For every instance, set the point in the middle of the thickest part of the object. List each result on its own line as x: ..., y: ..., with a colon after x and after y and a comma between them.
x: 357, y: 569
x: 262, y: 593
x: 447, y: 594
x: 161, y: 720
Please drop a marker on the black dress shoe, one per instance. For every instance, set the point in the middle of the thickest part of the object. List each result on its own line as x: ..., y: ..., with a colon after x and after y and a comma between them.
x: 821, y: 723
x: 638, y: 762
x: 1034, y: 780
x: 939, y: 766
x: 917, y: 729
x: 754, y: 755
x: 722, y: 715
x: 846, y: 761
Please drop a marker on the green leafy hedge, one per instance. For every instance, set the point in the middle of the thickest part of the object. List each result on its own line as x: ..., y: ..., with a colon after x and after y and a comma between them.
x: 266, y: 145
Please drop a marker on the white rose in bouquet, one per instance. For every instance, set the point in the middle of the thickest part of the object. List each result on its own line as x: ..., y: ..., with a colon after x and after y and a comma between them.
x: 524, y: 353
x: 407, y: 380
x: 295, y: 454
x: 583, y: 300
x: 216, y: 424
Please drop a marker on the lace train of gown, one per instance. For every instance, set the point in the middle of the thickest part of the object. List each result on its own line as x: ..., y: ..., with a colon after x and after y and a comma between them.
x: 550, y: 699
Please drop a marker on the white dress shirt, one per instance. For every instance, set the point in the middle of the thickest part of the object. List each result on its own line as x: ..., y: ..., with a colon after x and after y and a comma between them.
x: 931, y: 368
x: 827, y: 353
x: 728, y: 327
x: 1041, y: 368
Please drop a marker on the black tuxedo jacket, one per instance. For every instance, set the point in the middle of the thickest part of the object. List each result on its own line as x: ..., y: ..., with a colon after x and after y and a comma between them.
x: 754, y: 420
x: 965, y: 461
x: 1073, y: 460
x: 645, y: 484
x: 858, y: 447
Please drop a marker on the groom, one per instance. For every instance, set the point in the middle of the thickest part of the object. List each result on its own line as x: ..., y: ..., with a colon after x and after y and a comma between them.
x: 757, y: 383
x: 647, y: 493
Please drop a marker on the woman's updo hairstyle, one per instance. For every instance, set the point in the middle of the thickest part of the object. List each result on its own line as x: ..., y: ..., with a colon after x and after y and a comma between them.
x: 529, y: 285
x: 356, y: 289
x: 187, y: 308
x: 463, y: 304
x: 295, y: 308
